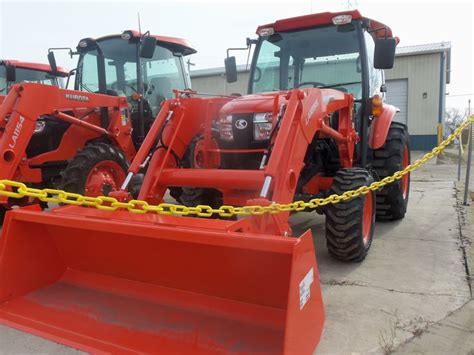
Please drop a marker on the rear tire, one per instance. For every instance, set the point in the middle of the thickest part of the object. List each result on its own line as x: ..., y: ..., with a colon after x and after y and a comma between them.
x: 392, y: 200
x: 350, y: 224
x: 97, y: 169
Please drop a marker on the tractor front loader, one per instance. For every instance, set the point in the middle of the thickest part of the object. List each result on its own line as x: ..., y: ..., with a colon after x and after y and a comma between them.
x: 157, y: 283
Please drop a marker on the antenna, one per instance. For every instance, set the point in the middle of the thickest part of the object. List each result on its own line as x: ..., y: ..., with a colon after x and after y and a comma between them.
x: 190, y: 65
x: 139, y: 25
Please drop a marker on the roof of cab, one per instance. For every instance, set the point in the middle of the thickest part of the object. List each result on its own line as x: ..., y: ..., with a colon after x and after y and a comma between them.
x: 181, y: 44
x: 35, y: 66
x: 320, y: 19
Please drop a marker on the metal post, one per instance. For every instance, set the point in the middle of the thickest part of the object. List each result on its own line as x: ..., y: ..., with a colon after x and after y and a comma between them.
x: 469, y: 157
x: 459, y: 157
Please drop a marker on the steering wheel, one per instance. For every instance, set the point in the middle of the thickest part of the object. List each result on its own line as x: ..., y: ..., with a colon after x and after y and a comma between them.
x: 314, y: 83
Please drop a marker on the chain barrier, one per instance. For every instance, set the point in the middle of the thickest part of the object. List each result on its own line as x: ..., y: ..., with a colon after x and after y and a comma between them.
x: 15, y: 189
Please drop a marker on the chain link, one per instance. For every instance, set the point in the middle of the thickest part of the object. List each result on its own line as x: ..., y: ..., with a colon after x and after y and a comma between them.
x: 15, y: 189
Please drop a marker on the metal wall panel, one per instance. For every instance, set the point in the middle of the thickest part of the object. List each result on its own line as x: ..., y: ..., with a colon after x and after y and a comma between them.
x: 422, y: 73
x: 397, y: 95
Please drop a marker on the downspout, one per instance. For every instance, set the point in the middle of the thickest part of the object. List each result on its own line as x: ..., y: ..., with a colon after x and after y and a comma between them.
x: 442, y: 95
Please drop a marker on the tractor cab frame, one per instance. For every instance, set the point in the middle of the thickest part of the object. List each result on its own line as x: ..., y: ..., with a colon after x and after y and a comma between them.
x: 343, y: 51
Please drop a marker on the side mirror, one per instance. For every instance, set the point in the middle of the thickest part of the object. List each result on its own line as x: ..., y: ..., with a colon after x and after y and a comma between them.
x: 384, y: 54
x: 230, y: 69
x: 10, y: 73
x: 147, y: 47
x: 52, y: 62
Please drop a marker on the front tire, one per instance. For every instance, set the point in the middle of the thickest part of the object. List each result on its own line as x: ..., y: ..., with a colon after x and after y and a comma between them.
x: 393, y: 156
x: 350, y: 224
x: 97, y: 169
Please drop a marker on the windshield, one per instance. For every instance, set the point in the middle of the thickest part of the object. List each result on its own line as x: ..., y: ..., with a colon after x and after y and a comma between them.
x: 317, y: 57
x: 28, y: 76
x: 161, y: 74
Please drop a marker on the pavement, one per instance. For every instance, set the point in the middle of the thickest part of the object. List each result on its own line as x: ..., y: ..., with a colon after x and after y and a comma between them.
x: 412, y: 294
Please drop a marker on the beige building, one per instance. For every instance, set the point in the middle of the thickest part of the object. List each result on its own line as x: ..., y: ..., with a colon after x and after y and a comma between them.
x: 416, y: 84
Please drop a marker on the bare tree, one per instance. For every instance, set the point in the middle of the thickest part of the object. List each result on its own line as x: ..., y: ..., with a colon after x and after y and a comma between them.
x: 453, y: 118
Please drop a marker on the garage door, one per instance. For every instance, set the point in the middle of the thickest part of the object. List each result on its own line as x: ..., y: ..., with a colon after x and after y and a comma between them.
x: 397, y: 95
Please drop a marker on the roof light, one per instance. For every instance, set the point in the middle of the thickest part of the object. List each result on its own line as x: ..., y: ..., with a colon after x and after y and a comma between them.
x: 126, y: 35
x: 341, y: 19
x: 265, y: 32
x: 83, y: 44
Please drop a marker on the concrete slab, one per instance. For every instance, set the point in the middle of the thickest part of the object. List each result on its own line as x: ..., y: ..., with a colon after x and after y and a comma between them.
x: 13, y: 341
x: 361, y: 320
x: 453, y: 335
x: 412, y: 281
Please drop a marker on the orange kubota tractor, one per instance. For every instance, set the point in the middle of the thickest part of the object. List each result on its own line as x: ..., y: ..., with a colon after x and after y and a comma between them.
x: 168, y: 282
x: 14, y: 71
x: 346, y: 53
x: 83, y: 140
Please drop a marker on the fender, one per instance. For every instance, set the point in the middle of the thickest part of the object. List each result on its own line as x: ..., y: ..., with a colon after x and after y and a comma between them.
x: 380, y: 126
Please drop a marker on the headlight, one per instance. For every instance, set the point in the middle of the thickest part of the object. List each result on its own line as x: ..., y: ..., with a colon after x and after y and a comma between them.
x: 225, y: 128
x: 262, y: 126
x: 39, y: 127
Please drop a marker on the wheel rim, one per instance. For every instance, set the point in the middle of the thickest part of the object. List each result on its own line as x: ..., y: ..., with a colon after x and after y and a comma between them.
x: 368, y: 217
x: 198, y: 159
x: 405, y: 163
x: 105, y: 177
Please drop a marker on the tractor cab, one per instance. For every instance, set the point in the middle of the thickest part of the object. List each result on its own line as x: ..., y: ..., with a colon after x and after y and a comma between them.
x: 342, y: 51
x: 14, y: 71
x: 143, y: 68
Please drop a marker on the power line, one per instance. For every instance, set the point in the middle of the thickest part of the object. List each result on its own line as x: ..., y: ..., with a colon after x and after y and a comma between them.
x: 448, y: 96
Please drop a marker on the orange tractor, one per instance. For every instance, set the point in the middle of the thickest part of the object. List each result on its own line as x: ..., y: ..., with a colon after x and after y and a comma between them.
x: 168, y: 282
x: 82, y: 140
x: 347, y: 54
x: 14, y: 71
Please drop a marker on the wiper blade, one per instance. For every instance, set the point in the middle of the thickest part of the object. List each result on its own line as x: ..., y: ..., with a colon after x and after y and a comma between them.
x: 341, y: 84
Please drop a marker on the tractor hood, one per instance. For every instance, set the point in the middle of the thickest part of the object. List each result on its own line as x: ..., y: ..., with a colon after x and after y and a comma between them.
x: 251, y: 103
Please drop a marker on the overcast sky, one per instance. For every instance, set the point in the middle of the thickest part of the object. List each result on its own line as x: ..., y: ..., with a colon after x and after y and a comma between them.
x: 29, y: 28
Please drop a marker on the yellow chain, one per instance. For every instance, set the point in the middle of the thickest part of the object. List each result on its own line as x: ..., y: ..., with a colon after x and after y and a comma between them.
x: 15, y: 189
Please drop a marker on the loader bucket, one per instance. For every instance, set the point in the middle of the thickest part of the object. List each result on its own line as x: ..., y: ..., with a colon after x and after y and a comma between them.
x: 127, y: 283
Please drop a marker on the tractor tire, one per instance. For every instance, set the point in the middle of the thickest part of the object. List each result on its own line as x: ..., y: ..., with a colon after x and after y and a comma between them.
x: 350, y: 224
x: 392, y: 200
x: 97, y: 169
x: 192, y: 197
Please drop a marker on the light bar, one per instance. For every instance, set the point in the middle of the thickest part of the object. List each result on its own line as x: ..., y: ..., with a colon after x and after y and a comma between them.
x: 265, y: 32
x: 341, y: 19
x: 126, y: 35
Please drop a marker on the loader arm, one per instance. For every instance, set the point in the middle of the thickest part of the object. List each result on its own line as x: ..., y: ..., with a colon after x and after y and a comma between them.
x: 25, y: 103
x: 305, y: 115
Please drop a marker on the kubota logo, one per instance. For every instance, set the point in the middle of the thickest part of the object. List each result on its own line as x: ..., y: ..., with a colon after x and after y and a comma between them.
x: 241, y: 124
x: 77, y: 97
x: 16, y: 132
